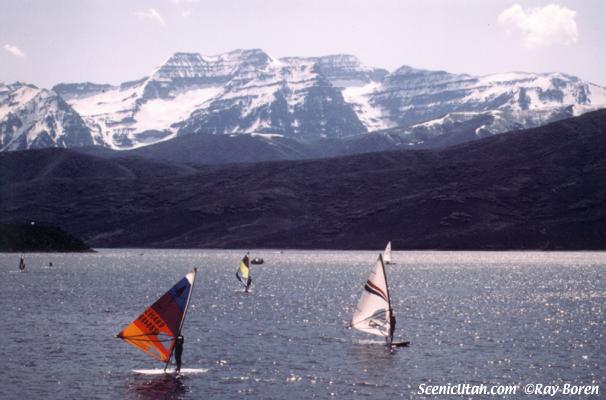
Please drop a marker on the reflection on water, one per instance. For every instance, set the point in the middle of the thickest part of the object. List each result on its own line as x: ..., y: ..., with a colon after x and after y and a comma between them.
x: 167, y: 387
x: 471, y: 317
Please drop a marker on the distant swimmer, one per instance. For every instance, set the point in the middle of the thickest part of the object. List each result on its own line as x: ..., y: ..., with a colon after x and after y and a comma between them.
x: 179, y: 351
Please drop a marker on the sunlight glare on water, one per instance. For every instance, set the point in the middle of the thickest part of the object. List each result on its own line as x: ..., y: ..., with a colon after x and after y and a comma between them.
x: 472, y: 317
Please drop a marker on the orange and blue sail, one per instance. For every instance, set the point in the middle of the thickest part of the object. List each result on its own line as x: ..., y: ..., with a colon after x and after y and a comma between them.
x: 155, y: 331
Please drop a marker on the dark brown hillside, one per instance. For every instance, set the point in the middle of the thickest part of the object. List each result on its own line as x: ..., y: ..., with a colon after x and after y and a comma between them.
x: 543, y: 188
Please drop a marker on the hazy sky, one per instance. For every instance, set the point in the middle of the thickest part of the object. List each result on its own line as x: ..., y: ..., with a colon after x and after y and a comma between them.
x: 111, y: 41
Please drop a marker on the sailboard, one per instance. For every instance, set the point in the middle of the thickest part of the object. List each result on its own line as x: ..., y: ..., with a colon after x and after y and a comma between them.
x: 387, y: 254
x: 155, y: 331
x: 161, y: 371
x: 374, y: 314
x: 243, y: 272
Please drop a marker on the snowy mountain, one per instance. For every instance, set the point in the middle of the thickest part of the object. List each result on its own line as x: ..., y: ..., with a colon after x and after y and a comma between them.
x: 331, y: 97
x: 427, y: 104
x: 237, y: 92
x: 32, y: 118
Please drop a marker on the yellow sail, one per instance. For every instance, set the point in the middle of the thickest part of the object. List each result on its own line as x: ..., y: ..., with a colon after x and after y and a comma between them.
x: 243, y: 272
x: 244, y: 269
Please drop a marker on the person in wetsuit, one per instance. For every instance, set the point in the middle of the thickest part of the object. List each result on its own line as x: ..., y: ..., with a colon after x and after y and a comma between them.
x: 178, y: 351
x: 392, y: 326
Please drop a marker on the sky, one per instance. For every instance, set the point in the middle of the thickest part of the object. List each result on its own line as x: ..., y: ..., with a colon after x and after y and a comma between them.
x: 113, y: 41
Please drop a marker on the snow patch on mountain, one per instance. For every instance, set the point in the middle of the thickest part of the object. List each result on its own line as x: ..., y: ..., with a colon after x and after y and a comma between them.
x: 372, y: 115
x: 161, y: 114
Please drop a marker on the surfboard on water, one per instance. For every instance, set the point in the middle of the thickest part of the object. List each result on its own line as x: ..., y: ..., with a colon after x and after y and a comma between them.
x: 370, y: 342
x: 155, y: 331
x: 161, y: 371
x: 374, y: 314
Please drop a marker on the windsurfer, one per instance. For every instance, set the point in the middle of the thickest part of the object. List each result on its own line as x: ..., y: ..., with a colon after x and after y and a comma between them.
x: 22, y: 264
x: 392, y: 325
x: 249, y: 279
x: 179, y: 351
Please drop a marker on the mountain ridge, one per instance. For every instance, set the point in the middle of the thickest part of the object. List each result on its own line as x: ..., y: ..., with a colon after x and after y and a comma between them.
x: 541, y: 188
x: 304, y: 99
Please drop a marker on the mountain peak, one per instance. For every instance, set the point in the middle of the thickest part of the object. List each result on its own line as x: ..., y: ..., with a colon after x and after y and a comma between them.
x: 178, y: 65
x: 335, y: 95
x: 408, y: 70
x: 340, y: 58
x: 205, y: 69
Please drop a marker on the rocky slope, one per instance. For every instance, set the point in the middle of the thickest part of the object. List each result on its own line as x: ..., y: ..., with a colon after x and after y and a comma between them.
x: 32, y: 118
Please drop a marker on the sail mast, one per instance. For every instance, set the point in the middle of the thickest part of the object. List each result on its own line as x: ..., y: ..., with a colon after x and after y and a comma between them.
x: 191, y: 290
x: 391, y: 329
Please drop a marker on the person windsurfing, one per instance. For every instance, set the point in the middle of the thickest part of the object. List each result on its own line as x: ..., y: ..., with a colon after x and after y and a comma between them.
x: 179, y: 351
x: 22, y: 264
x: 243, y: 273
x: 249, y: 279
x: 392, y: 325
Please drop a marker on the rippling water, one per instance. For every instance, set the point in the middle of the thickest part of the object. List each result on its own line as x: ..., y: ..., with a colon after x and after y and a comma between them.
x: 472, y: 317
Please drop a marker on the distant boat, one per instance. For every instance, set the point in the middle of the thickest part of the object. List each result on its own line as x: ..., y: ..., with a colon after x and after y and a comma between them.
x: 243, y: 273
x: 374, y: 314
x: 387, y: 254
x: 257, y: 261
x: 156, y: 330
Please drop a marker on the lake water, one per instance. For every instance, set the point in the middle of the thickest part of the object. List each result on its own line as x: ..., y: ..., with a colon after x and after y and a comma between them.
x: 471, y: 317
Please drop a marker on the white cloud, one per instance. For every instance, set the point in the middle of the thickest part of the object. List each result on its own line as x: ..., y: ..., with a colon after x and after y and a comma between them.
x: 14, y: 50
x: 543, y: 26
x: 151, y: 14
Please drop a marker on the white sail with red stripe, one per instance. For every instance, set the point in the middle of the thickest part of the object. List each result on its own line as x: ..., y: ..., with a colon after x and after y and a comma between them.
x: 373, y: 312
